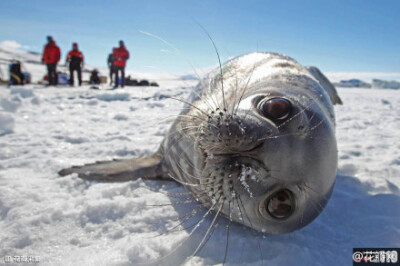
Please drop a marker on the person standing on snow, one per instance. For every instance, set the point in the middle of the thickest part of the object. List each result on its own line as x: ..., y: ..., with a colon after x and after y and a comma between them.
x: 75, y: 60
x: 121, y: 55
x: 51, y: 56
x: 110, y: 63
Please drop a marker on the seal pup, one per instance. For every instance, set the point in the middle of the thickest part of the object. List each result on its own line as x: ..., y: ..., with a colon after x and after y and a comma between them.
x: 255, y: 143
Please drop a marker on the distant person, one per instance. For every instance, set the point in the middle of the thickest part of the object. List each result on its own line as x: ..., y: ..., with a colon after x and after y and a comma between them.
x: 75, y: 60
x: 16, y: 76
x: 110, y: 63
x: 121, y: 55
x: 94, y: 77
x: 51, y: 56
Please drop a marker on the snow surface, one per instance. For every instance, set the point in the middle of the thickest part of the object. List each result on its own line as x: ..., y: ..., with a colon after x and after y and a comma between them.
x: 68, y: 221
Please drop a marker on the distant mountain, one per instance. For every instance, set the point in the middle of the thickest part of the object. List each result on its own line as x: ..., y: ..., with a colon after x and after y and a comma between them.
x: 189, y: 77
x: 376, y: 84
x: 352, y: 83
x: 383, y: 84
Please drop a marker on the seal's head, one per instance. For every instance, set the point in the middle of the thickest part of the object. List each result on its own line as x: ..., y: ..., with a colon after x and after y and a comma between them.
x: 270, y: 158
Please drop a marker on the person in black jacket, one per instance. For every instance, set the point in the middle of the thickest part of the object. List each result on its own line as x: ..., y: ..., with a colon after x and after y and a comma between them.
x: 110, y: 63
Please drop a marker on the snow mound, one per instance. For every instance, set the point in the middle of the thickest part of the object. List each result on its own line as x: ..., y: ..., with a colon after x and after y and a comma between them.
x: 9, y: 105
x: 109, y: 97
x: 24, y: 93
x: 104, y: 210
x: 6, y: 124
x: 120, y: 117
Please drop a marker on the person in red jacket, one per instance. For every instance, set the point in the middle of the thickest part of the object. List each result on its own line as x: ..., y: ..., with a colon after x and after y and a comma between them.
x: 121, y: 55
x: 51, y: 56
x: 75, y: 60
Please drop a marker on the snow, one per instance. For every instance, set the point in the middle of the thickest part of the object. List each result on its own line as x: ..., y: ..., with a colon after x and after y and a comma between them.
x: 68, y: 221
x: 246, y: 172
x: 6, y: 124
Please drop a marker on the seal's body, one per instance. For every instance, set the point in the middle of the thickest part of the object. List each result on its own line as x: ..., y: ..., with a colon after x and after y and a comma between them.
x: 255, y: 143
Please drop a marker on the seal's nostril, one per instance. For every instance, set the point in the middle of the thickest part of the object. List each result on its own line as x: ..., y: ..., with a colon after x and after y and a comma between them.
x: 280, y: 205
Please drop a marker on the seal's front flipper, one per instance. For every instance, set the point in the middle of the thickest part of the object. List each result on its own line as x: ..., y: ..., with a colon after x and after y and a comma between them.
x: 149, y: 167
x: 326, y: 84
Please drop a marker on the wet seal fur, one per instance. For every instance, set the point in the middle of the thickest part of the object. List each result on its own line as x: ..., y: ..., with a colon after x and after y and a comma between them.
x: 255, y: 143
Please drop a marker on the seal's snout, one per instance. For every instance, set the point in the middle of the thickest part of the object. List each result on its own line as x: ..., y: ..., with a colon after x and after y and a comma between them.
x: 225, y: 132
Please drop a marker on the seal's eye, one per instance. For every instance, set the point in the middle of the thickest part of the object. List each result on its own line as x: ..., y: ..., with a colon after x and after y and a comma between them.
x: 277, y: 108
x: 280, y: 205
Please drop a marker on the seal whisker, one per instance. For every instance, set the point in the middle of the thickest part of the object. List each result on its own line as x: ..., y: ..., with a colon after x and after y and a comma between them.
x: 227, y: 233
x: 170, y: 194
x: 245, y: 88
x: 258, y: 240
x: 192, y: 231
x: 317, y: 125
x: 182, y: 129
x: 219, y: 61
x: 188, y: 162
x: 235, y: 70
x: 176, y: 50
x: 312, y: 189
x: 278, y: 136
x: 297, y: 114
x: 206, y: 234
x: 188, y: 116
x: 317, y: 206
x: 171, y: 204
x: 180, y: 100
x: 186, y: 218
x: 236, y: 92
x: 175, y: 142
x: 176, y: 137
x: 182, y: 182
x: 200, y: 207
x: 205, y: 101
x: 181, y: 168
x: 210, y: 234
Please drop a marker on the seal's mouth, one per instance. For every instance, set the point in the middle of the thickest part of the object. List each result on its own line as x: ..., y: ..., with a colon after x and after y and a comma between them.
x: 239, y: 153
x: 228, y: 175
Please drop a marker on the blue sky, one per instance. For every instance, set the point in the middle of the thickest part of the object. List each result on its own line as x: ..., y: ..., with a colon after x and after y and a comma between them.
x: 347, y: 36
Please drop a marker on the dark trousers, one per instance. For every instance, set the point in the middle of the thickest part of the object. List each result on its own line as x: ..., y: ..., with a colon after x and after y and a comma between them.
x: 117, y: 69
x: 71, y: 74
x: 52, y: 74
x: 111, y: 74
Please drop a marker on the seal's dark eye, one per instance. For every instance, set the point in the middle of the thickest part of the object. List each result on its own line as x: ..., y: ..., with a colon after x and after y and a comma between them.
x: 280, y: 205
x: 277, y: 108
